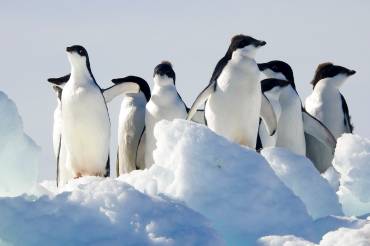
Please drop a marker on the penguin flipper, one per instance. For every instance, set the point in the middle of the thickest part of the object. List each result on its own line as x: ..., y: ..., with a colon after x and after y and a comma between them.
x: 268, y: 115
x: 120, y: 87
x: 60, y: 81
x: 201, y: 99
x: 107, y: 168
x: 316, y: 129
x: 58, y: 159
x: 347, y: 118
x: 199, y: 117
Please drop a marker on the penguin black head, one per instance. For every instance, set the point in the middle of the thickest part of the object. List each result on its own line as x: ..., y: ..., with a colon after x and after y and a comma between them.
x: 78, y: 57
x: 164, y: 71
x: 328, y: 70
x: 244, y: 45
x: 277, y: 70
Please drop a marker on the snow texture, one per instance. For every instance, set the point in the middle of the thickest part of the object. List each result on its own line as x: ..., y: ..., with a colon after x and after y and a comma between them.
x: 97, y: 211
x: 300, y: 175
x: 352, y: 161
x: 341, y: 237
x: 231, y: 185
x: 19, y: 155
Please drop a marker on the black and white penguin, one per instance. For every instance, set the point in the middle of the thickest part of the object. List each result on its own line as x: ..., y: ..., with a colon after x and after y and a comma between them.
x: 279, y: 88
x: 131, y: 127
x: 328, y: 105
x: 85, y: 119
x: 233, y: 99
x: 165, y: 104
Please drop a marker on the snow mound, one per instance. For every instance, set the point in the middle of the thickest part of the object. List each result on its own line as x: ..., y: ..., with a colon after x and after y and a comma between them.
x: 100, y: 211
x: 232, y: 186
x: 299, y: 174
x: 288, y: 240
x: 352, y: 161
x: 340, y: 237
x: 19, y: 154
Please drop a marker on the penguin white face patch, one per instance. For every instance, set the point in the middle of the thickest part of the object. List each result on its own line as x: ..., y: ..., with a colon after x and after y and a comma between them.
x: 247, y: 51
x: 162, y: 80
x: 76, y: 59
x: 273, y: 75
x: 336, y: 81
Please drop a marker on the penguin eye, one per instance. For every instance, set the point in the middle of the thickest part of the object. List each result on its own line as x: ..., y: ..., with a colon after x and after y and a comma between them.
x: 80, y: 52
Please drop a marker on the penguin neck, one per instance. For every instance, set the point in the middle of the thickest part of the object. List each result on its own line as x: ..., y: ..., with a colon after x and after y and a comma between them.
x: 325, y: 87
x: 80, y: 74
x: 161, y: 88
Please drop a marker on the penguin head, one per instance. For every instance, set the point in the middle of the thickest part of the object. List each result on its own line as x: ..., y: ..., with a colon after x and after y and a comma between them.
x: 336, y: 75
x: 245, y: 46
x: 277, y: 70
x: 164, y: 74
x: 78, y: 57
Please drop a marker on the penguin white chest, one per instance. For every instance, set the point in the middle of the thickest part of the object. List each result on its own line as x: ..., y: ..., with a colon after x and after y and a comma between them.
x: 326, y: 106
x: 165, y: 104
x: 86, y: 128
x: 290, y: 132
x: 233, y: 109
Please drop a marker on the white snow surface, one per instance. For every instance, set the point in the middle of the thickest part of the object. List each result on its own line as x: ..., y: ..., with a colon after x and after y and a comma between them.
x: 19, y: 155
x: 341, y: 237
x: 352, y: 161
x: 233, y: 186
x: 97, y: 211
x: 201, y: 190
x: 300, y: 175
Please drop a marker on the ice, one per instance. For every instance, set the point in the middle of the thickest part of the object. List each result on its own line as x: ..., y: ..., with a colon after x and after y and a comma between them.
x: 97, y: 211
x: 352, y: 161
x: 233, y: 186
x: 332, y: 176
x: 19, y: 155
x: 300, y: 175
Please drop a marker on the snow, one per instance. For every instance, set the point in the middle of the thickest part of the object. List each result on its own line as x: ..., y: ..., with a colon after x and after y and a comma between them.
x: 340, y: 237
x: 201, y: 190
x: 19, y: 154
x: 99, y: 211
x: 233, y: 186
x: 352, y: 161
x: 299, y: 174
x: 332, y: 176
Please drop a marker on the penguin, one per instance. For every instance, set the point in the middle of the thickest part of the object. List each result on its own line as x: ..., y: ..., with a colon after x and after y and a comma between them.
x: 233, y: 98
x: 280, y: 89
x: 165, y: 104
x: 63, y: 174
x: 328, y: 105
x: 131, y: 126
x: 85, y: 117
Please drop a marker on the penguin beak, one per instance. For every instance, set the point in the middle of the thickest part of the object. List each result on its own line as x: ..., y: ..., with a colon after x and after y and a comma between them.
x: 262, y: 43
x: 69, y: 49
x: 351, y: 72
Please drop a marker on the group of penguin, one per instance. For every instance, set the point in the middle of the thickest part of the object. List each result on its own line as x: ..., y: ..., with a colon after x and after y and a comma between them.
x: 234, y: 104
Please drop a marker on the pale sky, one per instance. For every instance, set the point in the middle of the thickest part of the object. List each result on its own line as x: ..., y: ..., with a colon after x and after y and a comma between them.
x: 131, y: 37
